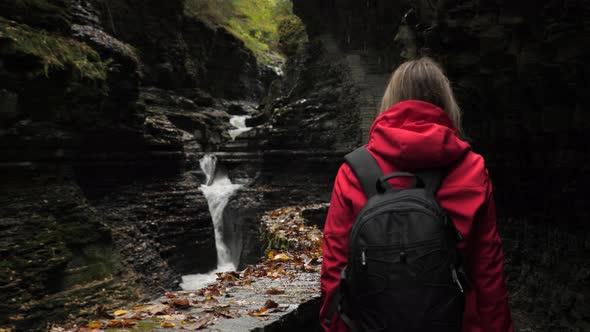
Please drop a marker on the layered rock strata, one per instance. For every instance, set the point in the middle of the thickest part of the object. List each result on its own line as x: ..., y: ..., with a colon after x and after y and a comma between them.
x: 519, y: 71
x: 105, y: 109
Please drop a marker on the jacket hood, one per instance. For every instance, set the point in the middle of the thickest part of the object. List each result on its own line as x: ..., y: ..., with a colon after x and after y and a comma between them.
x: 414, y: 134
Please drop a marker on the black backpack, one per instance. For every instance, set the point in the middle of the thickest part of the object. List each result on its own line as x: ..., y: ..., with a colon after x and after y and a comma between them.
x: 404, y: 271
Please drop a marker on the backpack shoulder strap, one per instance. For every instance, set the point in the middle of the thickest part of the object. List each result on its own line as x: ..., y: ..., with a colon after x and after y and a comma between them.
x: 432, y: 179
x: 365, y: 168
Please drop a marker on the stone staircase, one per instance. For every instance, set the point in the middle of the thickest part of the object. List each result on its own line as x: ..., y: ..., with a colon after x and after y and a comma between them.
x: 368, y: 75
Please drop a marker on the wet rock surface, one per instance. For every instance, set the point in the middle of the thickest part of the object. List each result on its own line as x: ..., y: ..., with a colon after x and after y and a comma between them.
x: 281, y: 293
x: 100, y: 177
x: 519, y: 76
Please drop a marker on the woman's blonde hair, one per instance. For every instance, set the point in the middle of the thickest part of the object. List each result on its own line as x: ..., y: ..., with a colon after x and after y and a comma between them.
x: 422, y: 79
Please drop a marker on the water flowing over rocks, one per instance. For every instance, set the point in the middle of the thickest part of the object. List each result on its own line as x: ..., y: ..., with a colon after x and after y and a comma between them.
x: 217, y: 189
x: 280, y: 293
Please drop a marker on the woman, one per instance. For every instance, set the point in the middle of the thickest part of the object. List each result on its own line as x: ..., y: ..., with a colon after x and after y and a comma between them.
x: 420, y: 127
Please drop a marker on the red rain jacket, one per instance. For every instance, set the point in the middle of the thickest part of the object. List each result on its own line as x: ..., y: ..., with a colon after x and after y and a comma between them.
x: 415, y: 134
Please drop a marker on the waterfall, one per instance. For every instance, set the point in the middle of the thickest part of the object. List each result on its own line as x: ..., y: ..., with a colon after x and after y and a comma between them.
x: 208, y: 163
x: 239, y: 122
x: 217, y: 189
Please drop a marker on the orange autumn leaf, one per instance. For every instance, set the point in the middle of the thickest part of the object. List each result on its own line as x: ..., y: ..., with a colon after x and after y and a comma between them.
x: 180, y: 303
x: 167, y: 325
x: 121, y: 323
x: 272, y: 254
x: 270, y: 304
x: 94, y: 325
x: 274, y: 291
x: 259, y: 312
x: 129, y: 323
x: 119, y: 312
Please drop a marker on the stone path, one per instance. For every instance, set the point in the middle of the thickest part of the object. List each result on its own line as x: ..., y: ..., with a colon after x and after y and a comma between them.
x: 282, y: 293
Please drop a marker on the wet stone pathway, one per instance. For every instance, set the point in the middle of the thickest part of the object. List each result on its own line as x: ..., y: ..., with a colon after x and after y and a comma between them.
x: 279, y: 294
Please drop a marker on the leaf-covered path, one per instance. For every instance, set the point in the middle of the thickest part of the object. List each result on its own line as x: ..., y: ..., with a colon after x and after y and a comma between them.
x: 279, y: 294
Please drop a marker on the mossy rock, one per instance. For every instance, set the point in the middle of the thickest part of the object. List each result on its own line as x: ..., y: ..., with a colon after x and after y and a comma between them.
x: 60, y: 257
x: 291, y: 34
x: 53, y: 15
x: 46, y: 53
x: 254, y: 22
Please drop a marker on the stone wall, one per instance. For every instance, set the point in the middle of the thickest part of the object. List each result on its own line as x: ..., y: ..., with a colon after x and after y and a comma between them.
x: 105, y: 109
x: 520, y: 73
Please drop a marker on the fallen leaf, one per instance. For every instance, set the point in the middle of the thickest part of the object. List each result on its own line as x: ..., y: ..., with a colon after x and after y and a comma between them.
x: 200, y: 324
x: 94, y: 325
x: 270, y: 304
x: 119, y: 312
x: 229, y: 314
x: 116, y: 323
x: 129, y: 323
x: 167, y: 325
x: 218, y: 308
x: 156, y: 309
x: 170, y: 295
x: 180, y: 303
x: 272, y: 254
x: 247, y: 272
x: 258, y: 313
x: 274, y: 291
x: 101, y: 312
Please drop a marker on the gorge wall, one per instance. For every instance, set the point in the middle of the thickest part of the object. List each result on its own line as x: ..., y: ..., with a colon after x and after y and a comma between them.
x: 105, y: 109
x: 520, y: 74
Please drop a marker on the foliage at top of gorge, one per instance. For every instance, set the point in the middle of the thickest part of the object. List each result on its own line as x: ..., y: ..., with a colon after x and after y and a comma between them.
x: 267, y: 27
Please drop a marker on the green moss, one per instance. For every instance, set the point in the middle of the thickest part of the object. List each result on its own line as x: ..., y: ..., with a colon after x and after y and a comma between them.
x: 255, y: 22
x: 51, y: 52
x: 291, y: 33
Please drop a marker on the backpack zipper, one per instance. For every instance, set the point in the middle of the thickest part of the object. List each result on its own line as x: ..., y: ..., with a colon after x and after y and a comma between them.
x: 456, y: 280
x: 364, y: 258
x: 402, y: 249
x: 367, y: 215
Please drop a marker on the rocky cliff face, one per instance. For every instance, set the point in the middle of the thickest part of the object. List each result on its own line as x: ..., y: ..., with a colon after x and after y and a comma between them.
x: 519, y: 72
x: 179, y: 51
x: 519, y: 75
x: 105, y: 109
x: 309, y: 121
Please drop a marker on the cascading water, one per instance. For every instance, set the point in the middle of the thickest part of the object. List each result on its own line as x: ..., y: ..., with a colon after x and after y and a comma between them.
x: 217, y: 190
x: 239, y: 122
